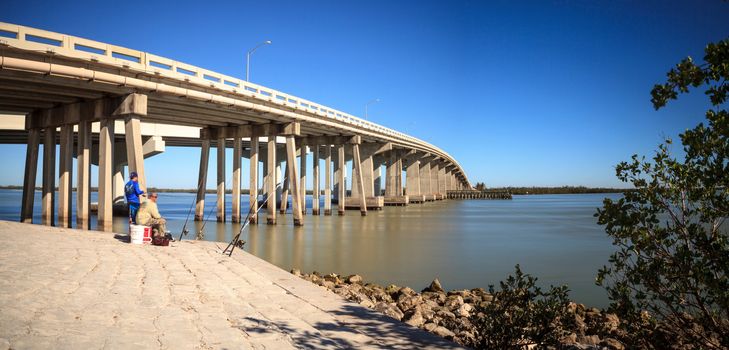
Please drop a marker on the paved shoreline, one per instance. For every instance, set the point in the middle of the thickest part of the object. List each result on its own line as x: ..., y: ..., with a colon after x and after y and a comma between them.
x: 66, y: 288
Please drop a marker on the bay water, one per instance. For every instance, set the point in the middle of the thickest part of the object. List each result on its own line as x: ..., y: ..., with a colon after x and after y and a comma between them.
x: 463, y: 243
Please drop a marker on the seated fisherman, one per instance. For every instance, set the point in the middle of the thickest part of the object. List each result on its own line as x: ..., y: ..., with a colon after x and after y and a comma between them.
x: 148, y: 215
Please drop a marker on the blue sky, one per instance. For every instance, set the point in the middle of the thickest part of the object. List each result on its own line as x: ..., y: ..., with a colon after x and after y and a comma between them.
x: 544, y: 93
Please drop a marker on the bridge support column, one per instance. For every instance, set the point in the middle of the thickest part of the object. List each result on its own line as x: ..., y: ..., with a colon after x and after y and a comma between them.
x: 340, y: 180
x: 390, y: 176
x: 253, y: 188
x: 49, y: 176
x: 302, y: 181
x: 31, y: 170
x: 286, y: 187
x: 434, y: 179
x: 135, y: 152
x: 289, y: 131
x: 106, y: 152
x: 221, y: 179
x: 365, y: 188
x: 377, y: 175
x: 65, y: 174
x: 202, y: 177
x: 425, y: 179
x: 271, y: 179
x: 316, y: 194
x: 442, y: 181
x: 398, y: 176
x: 412, y: 175
x: 83, y: 185
x: 235, y: 203
x: 358, y: 178
x: 328, y: 180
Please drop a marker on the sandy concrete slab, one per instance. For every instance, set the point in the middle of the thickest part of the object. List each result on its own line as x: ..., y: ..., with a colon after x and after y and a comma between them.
x: 71, y: 289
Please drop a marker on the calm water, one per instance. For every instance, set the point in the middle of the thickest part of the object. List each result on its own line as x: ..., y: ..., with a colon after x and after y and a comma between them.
x: 465, y: 244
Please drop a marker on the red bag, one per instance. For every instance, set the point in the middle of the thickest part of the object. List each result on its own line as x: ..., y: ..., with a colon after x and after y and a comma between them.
x: 161, y: 241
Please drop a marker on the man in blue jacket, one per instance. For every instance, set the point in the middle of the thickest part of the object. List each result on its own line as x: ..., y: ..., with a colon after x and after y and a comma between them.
x: 132, y: 192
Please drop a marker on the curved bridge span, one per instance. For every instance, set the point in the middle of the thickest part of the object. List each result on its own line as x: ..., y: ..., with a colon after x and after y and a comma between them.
x: 73, y: 91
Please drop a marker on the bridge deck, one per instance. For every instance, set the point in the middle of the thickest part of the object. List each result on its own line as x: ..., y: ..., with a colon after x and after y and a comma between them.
x: 66, y: 288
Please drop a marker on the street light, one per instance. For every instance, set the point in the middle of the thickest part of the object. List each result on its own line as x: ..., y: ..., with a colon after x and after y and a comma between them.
x: 248, y: 57
x: 368, y: 104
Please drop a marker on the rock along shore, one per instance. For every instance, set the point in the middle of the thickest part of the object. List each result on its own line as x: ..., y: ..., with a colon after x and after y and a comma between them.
x: 448, y: 314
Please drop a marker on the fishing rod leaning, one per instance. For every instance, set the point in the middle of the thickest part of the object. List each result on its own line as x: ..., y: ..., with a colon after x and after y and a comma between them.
x: 189, y: 211
x: 236, y: 241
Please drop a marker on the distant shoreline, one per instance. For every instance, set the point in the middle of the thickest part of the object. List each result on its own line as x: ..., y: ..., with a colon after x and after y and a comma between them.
x: 558, y: 190
x: 512, y: 190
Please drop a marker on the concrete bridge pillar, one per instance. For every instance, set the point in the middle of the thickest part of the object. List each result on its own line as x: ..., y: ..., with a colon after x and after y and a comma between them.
x: 292, y: 130
x: 285, y: 188
x: 235, y: 203
x: 316, y: 191
x: 442, y: 180
x: 412, y: 175
x: 434, y: 170
x: 65, y: 175
x: 328, y: 180
x: 340, y: 186
x: 390, y: 171
x: 221, y: 179
x: 83, y: 183
x: 106, y: 152
x: 358, y: 178
x: 425, y: 178
x: 202, y: 177
x: 253, y: 188
x: 49, y: 176
x: 31, y: 170
x: 398, y: 175
x: 377, y: 175
x: 302, y: 178
x: 271, y: 178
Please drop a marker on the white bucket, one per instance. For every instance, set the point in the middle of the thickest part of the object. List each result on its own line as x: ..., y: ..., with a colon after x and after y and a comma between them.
x: 140, y: 234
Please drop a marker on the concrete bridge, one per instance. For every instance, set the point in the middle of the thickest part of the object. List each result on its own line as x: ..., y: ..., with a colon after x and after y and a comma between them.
x: 114, y: 106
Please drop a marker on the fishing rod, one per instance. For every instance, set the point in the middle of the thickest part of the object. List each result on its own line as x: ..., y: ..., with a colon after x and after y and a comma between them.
x: 192, y: 205
x: 236, y: 241
x: 201, y: 232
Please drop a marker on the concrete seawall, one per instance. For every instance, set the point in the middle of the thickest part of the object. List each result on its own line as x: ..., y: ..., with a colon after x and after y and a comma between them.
x: 65, y: 288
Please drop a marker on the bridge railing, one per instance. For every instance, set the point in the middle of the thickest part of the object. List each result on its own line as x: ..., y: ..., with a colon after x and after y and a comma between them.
x: 33, y: 39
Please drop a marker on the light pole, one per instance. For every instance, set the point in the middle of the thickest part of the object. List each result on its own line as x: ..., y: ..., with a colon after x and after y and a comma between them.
x: 368, y: 104
x: 248, y: 57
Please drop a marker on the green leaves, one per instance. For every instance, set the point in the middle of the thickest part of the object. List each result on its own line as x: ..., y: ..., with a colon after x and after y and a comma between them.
x: 687, y: 74
x: 521, y: 314
x: 672, y: 239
